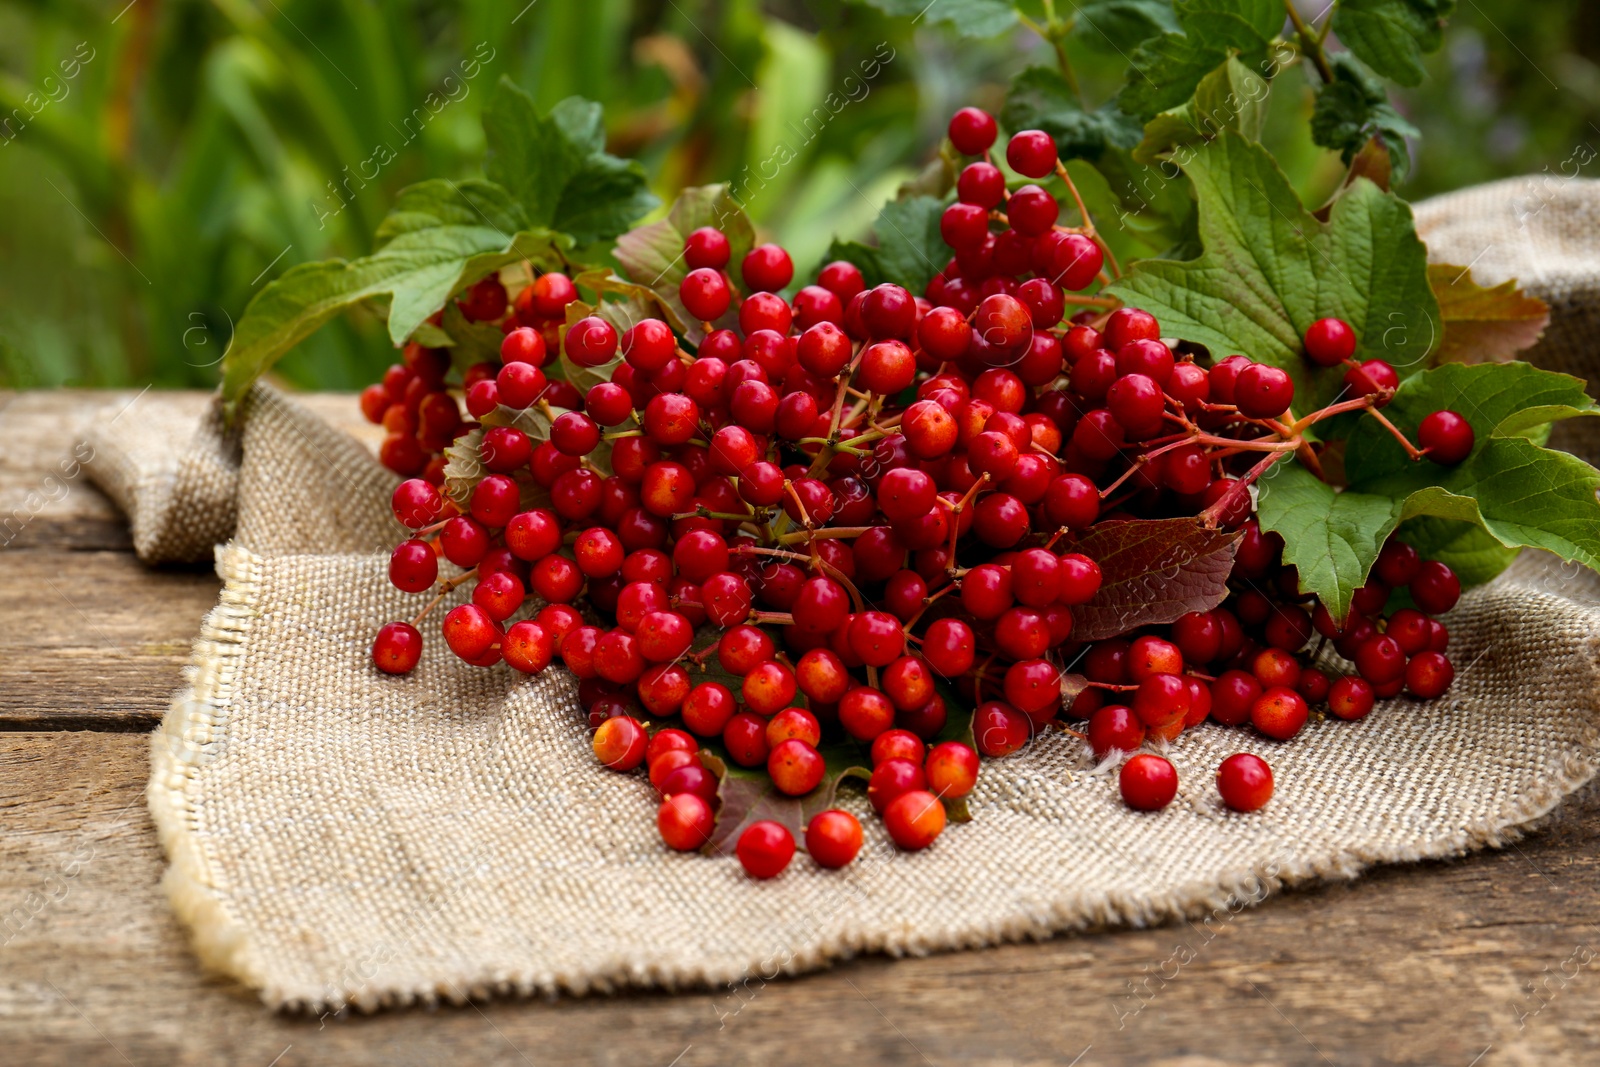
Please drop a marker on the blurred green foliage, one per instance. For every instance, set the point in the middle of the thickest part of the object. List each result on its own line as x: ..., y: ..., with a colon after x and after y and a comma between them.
x: 163, y: 161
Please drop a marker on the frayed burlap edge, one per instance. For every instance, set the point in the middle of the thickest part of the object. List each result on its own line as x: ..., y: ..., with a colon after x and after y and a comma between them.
x: 193, y: 728
x: 196, y: 725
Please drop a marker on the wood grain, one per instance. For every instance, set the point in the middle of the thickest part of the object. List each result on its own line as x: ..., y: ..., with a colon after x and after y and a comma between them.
x: 1488, y: 960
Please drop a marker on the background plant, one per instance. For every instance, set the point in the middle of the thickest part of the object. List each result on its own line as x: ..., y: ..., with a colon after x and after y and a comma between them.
x: 176, y: 173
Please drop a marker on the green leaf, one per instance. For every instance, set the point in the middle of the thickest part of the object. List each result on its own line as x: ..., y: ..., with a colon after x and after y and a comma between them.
x: 463, y: 468
x: 1354, y: 108
x: 1331, y: 537
x: 441, y: 237
x: 468, y: 342
x: 1391, y: 36
x: 1464, y: 547
x: 1233, y: 23
x: 910, y: 249
x: 1232, y: 97
x: 1270, y: 269
x: 1521, y: 494
x: 652, y: 255
x: 557, y: 166
x: 1166, y: 70
x: 969, y: 18
x: 1122, y: 24
x: 863, y: 256
x: 1040, y: 99
x: 1499, y: 399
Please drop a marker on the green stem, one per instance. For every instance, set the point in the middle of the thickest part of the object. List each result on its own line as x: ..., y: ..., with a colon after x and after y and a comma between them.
x: 1310, y: 43
x: 1054, y: 31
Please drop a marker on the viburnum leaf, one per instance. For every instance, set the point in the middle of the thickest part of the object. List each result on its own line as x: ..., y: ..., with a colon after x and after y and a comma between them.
x: 1270, y: 269
x: 1353, y: 109
x: 652, y: 254
x: 468, y: 342
x: 1464, y: 547
x: 1122, y: 24
x: 909, y: 251
x: 1232, y: 97
x: 1331, y: 537
x: 463, y: 468
x: 1483, y: 325
x: 1522, y: 494
x: 1165, y: 70
x: 440, y: 237
x: 1391, y: 36
x: 1152, y: 571
x: 969, y: 18
x: 1039, y: 99
x: 747, y: 794
x: 557, y: 166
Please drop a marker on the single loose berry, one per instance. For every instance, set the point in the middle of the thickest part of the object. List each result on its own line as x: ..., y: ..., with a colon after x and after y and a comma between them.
x: 1350, y: 697
x: 795, y: 767
x: 833, y: 838
x: 1148, y: 782
x: 765, y: 849
x: 951, y: 769
x: 1279, y: 713
x: 620, y: 743
x: 1245, y: 782
x: 914, y: 819
x: 685, y: 821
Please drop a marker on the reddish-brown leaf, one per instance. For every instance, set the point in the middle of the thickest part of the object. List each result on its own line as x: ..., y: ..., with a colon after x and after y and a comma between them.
x: 1154, y: 570
x: 1483, y: 325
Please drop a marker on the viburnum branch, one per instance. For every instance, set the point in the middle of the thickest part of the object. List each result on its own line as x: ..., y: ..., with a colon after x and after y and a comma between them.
x: 840, y: 532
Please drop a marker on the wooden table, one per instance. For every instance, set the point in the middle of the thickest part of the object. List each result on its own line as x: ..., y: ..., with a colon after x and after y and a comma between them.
x: 1489, y: 960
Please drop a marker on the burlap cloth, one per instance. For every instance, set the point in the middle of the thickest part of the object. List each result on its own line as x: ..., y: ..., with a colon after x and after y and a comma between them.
x: 337, y: 836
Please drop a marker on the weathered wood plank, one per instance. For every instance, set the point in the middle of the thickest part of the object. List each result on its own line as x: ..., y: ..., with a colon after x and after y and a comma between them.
x: 1427, y: 964
x: 94, y: 640
x: 47, y: 499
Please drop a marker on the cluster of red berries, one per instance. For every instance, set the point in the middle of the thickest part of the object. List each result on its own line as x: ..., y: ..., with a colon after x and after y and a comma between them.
x: 868, y: 491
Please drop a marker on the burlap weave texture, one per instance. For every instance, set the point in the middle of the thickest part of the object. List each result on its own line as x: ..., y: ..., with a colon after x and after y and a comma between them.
x: 337, y: 836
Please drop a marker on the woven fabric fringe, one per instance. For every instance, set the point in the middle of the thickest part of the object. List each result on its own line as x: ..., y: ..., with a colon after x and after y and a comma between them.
x: 340, y: 837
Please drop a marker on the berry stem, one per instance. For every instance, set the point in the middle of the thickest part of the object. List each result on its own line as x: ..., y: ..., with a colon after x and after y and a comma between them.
x: 927, y: 602
x: 444, y: 590
x: 1411, y: 450
x: 1210, y: 515
x: 836, y: 531
x: 794, y: 494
